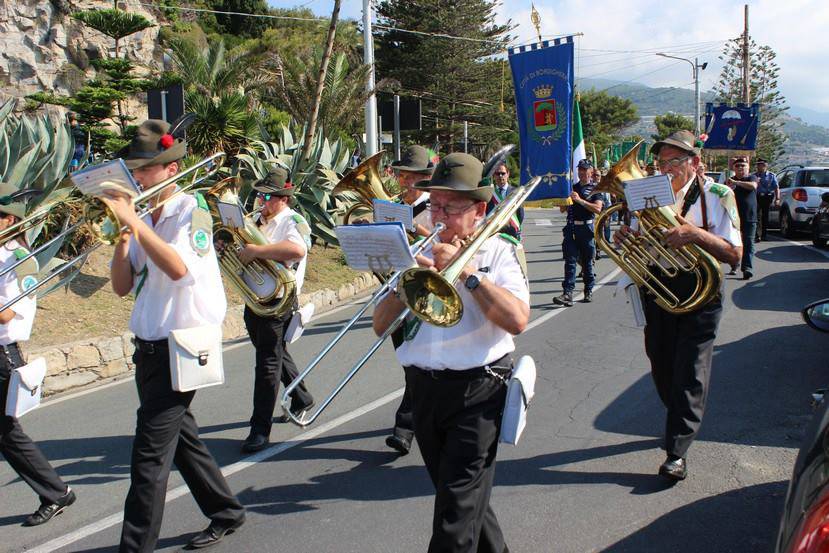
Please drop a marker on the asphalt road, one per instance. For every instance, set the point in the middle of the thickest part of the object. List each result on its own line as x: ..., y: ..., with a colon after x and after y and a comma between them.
x: 582, y: 479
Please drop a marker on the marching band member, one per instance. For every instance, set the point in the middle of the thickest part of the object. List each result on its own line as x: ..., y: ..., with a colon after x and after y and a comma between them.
x: 680, y: 346
x: 290, y: 239
x: 15, y: 326
x: 457, y: 375
x: 167, y: 260
x: 414, y: 166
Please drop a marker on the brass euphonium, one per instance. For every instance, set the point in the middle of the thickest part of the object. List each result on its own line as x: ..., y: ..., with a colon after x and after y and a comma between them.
x: 647, y: 258
x: 267, y: 287
x: 366, y: 182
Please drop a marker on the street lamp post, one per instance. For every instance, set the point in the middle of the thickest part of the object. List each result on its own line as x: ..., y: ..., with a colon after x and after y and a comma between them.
x: 695, y: 67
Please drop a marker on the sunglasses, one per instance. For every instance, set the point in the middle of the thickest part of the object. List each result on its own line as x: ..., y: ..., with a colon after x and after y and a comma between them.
x: 263, y: 196
x: 501, y: 174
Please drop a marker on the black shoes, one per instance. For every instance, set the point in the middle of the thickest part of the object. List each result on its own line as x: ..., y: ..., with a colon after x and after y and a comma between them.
x: 398, y: 443
x: 747, y: 275
x: 588, y: 296
x: 674, y: 468
x: 254, y: 443
x: 47, y: 511
x: 214, y: 533
x: 565, y: 299
x: 733, y: 271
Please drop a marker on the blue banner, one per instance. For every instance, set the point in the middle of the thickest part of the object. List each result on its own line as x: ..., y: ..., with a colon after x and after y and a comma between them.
x: 543, y: 79
x: 731, y: 127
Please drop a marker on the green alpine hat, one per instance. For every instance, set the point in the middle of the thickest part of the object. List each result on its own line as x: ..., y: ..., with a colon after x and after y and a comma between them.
x: 461, y: 173
x: 12, y: 200
x: 276, y: 183
x: 153, y: 145
x: 415, y: 159
x: 683, y: 140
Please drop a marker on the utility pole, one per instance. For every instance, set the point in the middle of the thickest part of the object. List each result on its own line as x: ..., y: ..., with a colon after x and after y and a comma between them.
x: 746, y: 68
x: 371, y: 103
x: 695, y: 67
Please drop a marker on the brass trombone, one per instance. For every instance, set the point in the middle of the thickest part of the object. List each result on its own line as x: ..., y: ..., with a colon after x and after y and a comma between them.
x: 106, y: 226
x: 285, y: 401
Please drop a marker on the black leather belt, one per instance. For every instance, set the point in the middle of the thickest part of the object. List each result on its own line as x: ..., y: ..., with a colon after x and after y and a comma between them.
x: 500, y: 368
x: 150, y: 347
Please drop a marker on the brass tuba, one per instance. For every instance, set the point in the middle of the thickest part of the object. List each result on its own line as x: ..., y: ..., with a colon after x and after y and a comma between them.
x: 366, y: 182
x: 267, y: 287
x: 647, y: 259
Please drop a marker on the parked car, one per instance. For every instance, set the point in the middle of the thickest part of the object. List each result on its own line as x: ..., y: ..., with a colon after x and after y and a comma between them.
x: 804, y: 526
x: 800, y: 196
x: 820, y: 223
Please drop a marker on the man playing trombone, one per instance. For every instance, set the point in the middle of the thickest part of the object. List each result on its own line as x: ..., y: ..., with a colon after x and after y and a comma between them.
x: 15, y: 326
x: 167, y: 260
x: 456, y: 375
x: 289, y: 238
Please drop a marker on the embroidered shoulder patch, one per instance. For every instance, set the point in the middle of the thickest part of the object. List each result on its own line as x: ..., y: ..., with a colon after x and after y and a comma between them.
x: 201, y: 231
x: 303, y: 228
x: 27, y: 271
x: 729, y: 203
x: 720, y: 190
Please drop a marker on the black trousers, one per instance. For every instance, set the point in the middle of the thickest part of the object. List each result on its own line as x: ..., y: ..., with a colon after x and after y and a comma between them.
x: 457, y: 422
x: 166, y: 433
x: 273, y: 364
x: 403, y: 418
x: 18, y: 449
x: 764, y: 206
x: 679, y: 348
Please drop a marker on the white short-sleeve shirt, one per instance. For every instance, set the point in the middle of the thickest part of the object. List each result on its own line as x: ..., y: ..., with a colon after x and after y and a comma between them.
x: 20, y: 327
x: 475, y: 341
x: 163, y: 304
x: 283, y: 226
x: 719, y: 222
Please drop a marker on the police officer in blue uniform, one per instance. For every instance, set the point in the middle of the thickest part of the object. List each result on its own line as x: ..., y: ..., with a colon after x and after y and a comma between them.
x: 578, y: 246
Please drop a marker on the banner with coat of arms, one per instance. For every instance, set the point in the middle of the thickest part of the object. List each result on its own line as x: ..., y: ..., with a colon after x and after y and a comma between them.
x: 543, y: 78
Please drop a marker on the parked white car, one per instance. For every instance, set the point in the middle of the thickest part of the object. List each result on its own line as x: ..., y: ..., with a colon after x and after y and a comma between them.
x: 800, y: 192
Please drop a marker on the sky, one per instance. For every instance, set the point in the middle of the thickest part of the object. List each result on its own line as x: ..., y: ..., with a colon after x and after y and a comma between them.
x: 699, y: 28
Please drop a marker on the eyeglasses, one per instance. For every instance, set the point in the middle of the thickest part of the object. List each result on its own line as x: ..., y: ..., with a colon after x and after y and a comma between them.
x: 450, y: 209
x: 263, y: 196
x: 676, y: 162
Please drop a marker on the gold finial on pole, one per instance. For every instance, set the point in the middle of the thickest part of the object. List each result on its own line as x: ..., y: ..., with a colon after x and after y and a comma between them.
x: 536, y: 19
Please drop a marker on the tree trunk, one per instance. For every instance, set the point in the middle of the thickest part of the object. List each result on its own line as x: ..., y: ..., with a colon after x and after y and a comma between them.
x: 326, y: 57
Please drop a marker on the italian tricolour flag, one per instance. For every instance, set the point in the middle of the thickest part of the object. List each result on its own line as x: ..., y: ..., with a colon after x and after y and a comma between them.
x: 579, y: 153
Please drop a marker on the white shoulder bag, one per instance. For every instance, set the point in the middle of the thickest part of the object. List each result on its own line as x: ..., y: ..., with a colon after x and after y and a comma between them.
x: 196, y: 358
x: 25, y: 388
x: 520, y: 392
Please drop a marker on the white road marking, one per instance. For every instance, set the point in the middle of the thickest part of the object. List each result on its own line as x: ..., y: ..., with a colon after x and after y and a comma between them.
x: 273, y: 451
x: 543, y: 222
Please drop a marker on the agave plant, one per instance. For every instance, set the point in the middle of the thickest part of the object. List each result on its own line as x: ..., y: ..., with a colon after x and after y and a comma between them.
x: 34, y: 153
x: 314, y: 178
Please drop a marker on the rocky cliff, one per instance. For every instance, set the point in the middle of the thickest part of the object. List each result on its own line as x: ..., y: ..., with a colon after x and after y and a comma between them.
x: 43, y: 49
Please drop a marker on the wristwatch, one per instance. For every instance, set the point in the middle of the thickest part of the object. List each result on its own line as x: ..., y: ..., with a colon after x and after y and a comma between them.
x: 472, y: 282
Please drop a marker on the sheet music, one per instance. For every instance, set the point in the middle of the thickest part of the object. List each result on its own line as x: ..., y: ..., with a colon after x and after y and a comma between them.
x: 390, y: 212
x: 231, y: 215
x: 112, y: 175
x: 649, y: 192
x: 377, y: 247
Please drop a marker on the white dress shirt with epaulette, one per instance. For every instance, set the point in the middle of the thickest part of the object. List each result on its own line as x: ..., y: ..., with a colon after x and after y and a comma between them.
x: 475, y: 341
x: 283, y: 226
x: 20, y: 327
x: 163, y: 304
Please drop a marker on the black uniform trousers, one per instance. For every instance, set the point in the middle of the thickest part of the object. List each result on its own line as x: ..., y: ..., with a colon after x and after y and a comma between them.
x: 22, y: 454
x: 764, y: 202
x: 166, y: 433
x: 680, y: 348
x: 403, y: 418
x: 457, y: 421
x: 273, y: 364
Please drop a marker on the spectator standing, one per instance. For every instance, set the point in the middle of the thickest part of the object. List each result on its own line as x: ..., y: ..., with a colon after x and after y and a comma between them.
x: 768, y: 194
x: 745, y: 191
